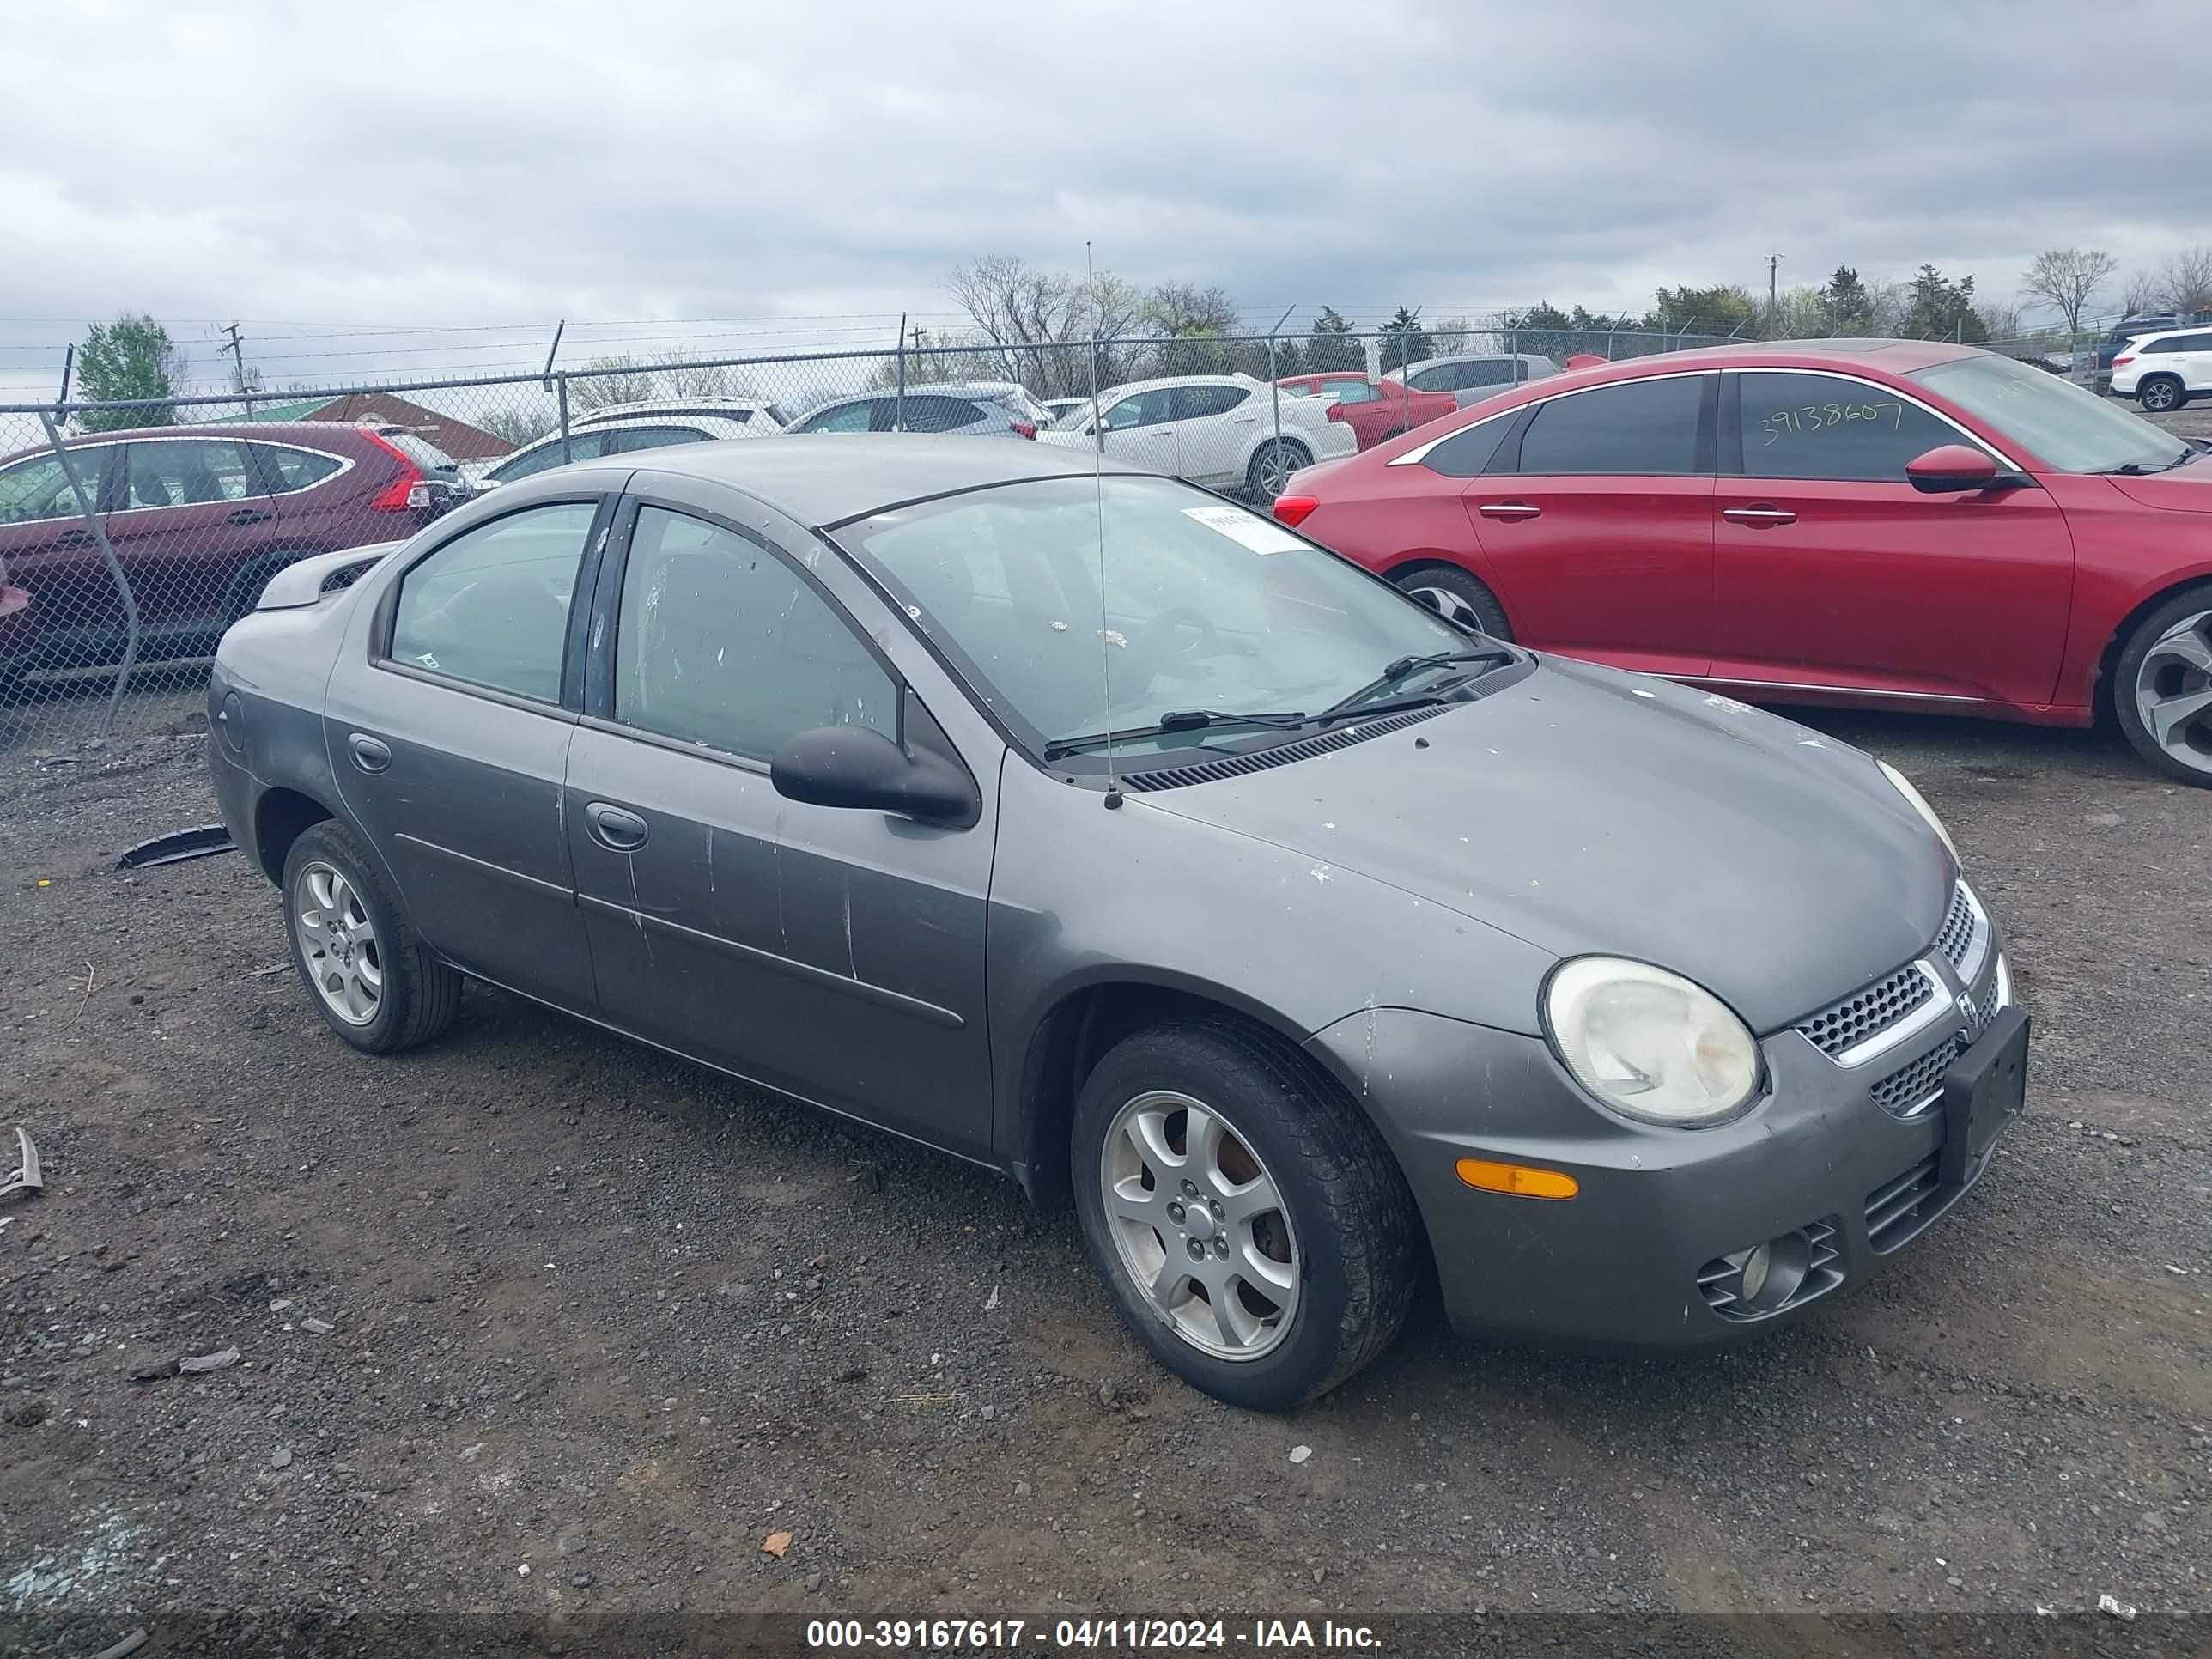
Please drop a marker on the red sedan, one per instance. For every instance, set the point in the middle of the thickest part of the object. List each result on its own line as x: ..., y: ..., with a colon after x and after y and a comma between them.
x: 1868, y: 523
x: 1374, y: 410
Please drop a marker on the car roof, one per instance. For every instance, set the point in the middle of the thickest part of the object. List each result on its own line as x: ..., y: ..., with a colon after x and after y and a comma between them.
x: 671, y: 406
x: 1160, y: 381
x: 307, y: 433
x: 1893, y: 356
x: 829, y: 478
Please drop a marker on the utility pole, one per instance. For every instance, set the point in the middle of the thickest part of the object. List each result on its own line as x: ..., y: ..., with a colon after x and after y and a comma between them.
x: 1773, y: 299
x: 236, y: 346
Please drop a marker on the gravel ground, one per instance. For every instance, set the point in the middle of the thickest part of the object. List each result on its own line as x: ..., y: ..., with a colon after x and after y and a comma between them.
x: 537, y: 1321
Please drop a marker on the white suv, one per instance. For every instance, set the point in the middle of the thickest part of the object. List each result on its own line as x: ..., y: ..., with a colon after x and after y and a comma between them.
x: 1217, y: 429
x: 2162, y: 372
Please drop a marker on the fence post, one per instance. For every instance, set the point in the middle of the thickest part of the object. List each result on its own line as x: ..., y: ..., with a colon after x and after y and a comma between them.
x: 560, y: 387
x: 92, y: 522
x: 1274, y: 391
x: 1515, y: 338
x: 901, y: 411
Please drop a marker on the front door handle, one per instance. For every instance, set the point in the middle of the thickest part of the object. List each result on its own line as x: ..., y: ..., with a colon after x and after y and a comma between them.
x: 1512, y: 512
x: 370, y: 754
x: 615, y: 829
x: 1759, y: 517
x: 248, y: 515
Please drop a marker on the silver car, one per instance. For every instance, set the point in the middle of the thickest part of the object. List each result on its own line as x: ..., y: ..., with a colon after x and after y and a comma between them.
x: 977, y: 409
x: 1472, y: 376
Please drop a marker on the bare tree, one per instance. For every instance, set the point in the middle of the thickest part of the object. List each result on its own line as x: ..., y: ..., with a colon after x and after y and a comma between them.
x: 1015, y: 306
x: 1450, y: 337
x: 605, y: 381
x: 2068, y: 277
x: 2186, y: 279
x: 2142, y: 295
x: 2001, y: 320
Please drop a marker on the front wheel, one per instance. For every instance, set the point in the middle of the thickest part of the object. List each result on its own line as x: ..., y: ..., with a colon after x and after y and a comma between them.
x: 2162, y: 394
x: 374, y: 980
x: 1251, y: 1225
x: 1269, y: 475
x: 2162, y: 687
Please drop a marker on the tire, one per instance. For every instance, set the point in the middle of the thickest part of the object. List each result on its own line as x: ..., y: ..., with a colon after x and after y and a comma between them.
x: 2162, y: 394
x: 1456, y: 597
x: 2164, y: 668
x: 417, y: 994
x: 1271, y: 467
x: 1338, y: 1233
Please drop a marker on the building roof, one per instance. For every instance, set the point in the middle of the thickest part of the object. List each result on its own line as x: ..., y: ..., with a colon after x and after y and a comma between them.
x: 457, y: 437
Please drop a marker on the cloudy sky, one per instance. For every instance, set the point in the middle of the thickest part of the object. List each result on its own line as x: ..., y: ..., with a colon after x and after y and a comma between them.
x: 426, y: 187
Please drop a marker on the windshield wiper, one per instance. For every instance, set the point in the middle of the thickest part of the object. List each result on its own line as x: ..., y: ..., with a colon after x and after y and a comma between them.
x: 1175, y: 719
x: 1405, y: 668
x: 2145, y: 469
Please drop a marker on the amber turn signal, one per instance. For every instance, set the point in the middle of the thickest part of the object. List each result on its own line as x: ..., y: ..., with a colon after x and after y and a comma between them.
x: 1517, y: 1179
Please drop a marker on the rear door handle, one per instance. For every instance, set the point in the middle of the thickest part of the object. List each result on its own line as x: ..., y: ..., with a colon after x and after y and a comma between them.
x: 370, y: 754
x: 249, y: 515
x: 615, y: 829
x: 1510, y: 511
x: 1759, y: 516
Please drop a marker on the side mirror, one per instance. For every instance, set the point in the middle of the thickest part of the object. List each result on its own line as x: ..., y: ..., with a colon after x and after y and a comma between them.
x: 857, y: 766
x: 1948, y: 469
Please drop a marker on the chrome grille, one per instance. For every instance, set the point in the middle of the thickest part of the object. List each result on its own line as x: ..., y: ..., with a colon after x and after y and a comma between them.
x: 1898, y: 1209
x: 1904, y: 1091
x: 1846, y: 1025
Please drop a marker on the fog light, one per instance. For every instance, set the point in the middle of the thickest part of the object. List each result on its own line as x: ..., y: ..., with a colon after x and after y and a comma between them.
x: 1753, y: 1273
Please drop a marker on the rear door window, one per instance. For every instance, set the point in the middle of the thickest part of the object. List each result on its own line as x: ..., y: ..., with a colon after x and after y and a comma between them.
x: 1640, y: 427
x: 1816, y: 426
x: 490, y: 607
x: 933, y: 412
x: 186, y: 472
x: 621, y: 440
x: 1195, y: 401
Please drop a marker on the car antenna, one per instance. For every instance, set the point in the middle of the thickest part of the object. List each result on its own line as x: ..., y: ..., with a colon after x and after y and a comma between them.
x: 1098, y: 505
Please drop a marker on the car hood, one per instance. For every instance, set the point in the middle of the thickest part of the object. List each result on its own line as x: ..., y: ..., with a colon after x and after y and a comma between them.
x: 1583, y: 811
x: 2187, y: 489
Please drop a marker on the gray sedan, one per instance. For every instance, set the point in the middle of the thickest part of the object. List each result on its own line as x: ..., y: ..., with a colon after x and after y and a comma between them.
x: 1101, y: 831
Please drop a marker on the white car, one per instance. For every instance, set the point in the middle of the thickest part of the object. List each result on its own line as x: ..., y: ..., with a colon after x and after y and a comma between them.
x: 1216, y: 429
x: 621, y: 427
x: 2162, y: 372
x: 1472, y: 376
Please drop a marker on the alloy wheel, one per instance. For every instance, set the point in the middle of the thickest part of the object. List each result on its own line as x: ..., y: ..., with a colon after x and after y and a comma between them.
x: 338, y: 944
x: 1277, y: 463
x: 2173, y: 691
x: 1449, y: 605
x: 2159, y: 397
x: 1198, y: 1226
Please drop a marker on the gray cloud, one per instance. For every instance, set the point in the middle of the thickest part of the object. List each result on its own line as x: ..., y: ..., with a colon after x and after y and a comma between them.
x: 497, y: 163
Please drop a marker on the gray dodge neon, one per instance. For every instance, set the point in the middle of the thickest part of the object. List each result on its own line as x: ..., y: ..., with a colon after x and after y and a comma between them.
x: 1084, y: 824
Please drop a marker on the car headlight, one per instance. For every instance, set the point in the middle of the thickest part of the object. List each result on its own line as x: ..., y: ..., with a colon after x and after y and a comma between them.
x: 1904, y: 786
x: 1649, y: 1044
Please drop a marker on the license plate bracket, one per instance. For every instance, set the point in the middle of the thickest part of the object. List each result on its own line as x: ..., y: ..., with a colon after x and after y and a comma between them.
x: 1985, y: 1089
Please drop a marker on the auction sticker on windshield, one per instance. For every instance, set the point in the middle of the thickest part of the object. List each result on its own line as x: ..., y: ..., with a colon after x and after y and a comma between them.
x: 1240, y: 526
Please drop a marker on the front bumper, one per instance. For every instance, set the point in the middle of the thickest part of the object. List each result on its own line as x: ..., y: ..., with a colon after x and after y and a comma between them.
x: 1645, y: 1254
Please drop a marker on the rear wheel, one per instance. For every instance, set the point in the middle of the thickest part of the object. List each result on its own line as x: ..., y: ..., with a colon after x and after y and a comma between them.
x: 1251, y: 1225
x: 1269, y: 475
x: 2162, y: 687
x: 1456, y: 597
x: 2162, y: 394
x: 374, y: 980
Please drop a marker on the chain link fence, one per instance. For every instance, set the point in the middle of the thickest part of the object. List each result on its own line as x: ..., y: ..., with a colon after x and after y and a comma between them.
x: 131, y: 535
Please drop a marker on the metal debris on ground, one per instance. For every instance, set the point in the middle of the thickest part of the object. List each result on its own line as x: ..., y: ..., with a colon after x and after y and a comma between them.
x: 2115, y: 1607
x: 204, y: 842
x: 24, y: 1177
x: 129, y: 1645
x: 219, y: 1360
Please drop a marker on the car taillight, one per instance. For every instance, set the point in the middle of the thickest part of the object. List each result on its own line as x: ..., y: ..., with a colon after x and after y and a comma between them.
x: 1294, y: 510
x: 1336, y: 412
x: 407, y: 492
x: 1023, y: 428
x: 2124, y: 361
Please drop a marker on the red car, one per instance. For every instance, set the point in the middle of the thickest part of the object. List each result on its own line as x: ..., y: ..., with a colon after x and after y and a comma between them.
x: 1374, y: 410
x: 199, y: 517
x: 1868, y: 523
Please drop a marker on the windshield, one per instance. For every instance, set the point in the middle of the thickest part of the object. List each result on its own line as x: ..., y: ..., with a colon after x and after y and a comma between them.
x: 2072, y: 429
x: 1208, y: 606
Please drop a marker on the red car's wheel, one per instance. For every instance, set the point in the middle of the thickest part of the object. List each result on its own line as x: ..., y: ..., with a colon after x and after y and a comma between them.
x: 1457, y: 598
